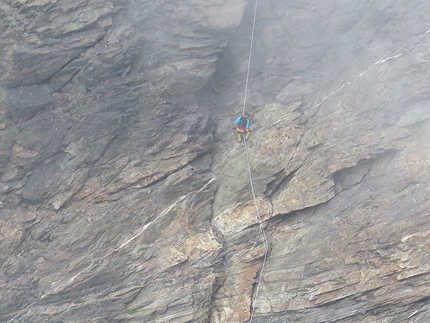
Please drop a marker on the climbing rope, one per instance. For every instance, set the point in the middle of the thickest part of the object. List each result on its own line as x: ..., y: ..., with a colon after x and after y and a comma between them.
x: 262, y: 231
x: 249, y: 57
x: 263, y: 235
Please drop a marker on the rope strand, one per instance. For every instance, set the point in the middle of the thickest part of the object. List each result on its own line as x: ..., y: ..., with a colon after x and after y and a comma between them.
x: 249, y: 57
x: 262, y: 231
x: 263, y: 235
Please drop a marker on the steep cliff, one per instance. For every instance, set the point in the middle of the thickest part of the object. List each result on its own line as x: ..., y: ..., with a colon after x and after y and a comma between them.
x: 125, y: 196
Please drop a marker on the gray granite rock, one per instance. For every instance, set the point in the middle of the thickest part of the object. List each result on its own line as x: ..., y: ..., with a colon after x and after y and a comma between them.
x: 125, y: 196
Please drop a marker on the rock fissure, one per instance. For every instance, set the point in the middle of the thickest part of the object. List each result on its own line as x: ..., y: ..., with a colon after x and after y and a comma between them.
x: 154, y: 219
x: 281, y: 180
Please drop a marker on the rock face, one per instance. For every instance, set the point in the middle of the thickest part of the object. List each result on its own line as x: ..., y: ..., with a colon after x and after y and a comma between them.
x: 125, y: 196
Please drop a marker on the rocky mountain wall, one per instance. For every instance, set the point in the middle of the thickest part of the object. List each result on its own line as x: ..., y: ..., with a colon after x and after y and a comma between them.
x: 125, y: 196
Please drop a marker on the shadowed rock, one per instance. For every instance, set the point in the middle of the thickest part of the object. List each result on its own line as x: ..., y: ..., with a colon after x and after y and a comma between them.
x: 125, y: 196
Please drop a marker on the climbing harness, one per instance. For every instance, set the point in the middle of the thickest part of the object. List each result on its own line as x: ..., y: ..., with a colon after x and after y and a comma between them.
x: 262, y: 231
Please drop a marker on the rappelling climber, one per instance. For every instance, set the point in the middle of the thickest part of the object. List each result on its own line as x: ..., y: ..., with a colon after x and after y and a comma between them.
x: 242, y: 126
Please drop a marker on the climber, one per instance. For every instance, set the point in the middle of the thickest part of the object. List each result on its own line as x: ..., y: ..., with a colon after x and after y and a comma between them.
x: 242, y: 126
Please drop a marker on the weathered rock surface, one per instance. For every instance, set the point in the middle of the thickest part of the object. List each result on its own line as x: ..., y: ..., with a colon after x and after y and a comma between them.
x: 125, y: 196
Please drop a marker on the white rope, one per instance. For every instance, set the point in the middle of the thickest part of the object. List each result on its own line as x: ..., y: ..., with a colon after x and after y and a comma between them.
x: 249, y: 58
x: 253, y: 192
x: 263, y: 235
x: 262, y: 231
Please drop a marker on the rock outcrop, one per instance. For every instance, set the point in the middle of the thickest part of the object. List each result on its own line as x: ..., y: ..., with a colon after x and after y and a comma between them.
x: 125, y: 196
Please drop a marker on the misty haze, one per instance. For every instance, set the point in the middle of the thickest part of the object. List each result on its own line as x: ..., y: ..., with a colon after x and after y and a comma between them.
x: 133, y: 188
